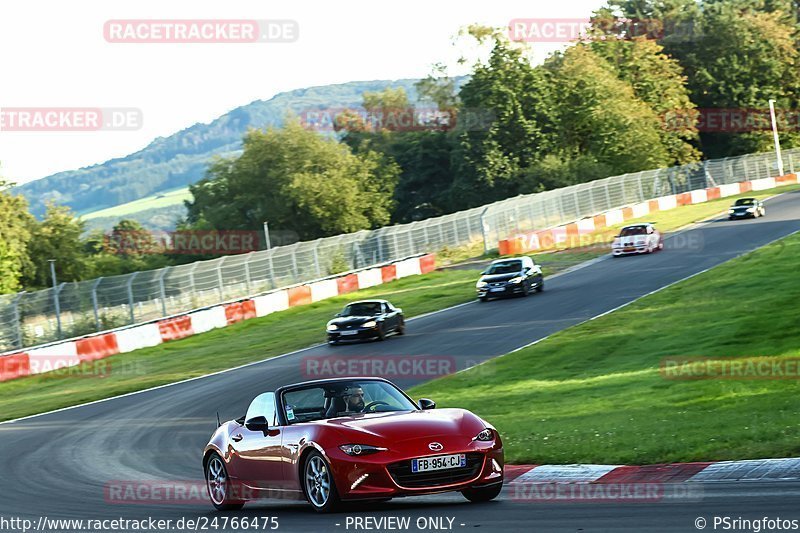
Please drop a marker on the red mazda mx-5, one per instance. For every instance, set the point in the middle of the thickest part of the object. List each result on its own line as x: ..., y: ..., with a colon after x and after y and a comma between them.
x: 338, y: 440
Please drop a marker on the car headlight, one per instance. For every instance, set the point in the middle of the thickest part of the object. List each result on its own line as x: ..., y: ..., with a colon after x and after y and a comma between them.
x: 731, y: 211
x: 360, y: 449
x: 369, y: 324
x: 332, y: 327
x: 518, y: 279
x: 485, y: 436
x: 481, y: 284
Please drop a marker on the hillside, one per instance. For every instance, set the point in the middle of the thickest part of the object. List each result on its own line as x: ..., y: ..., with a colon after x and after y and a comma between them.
x: 181, y: 159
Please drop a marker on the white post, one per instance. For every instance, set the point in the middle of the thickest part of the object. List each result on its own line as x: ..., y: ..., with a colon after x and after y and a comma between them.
x: 775, y: 137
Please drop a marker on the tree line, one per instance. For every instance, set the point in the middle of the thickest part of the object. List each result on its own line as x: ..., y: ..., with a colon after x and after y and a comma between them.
x: 614, y: 102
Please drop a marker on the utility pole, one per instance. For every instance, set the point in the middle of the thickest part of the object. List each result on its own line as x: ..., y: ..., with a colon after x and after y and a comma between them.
x: 775, y: 137
x: 55, y: 295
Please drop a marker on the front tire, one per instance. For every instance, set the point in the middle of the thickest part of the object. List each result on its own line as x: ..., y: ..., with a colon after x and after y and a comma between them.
x: 318, y: 484
x: 219, y: 485
x: 483, y: 494
x: 540, y: 286
x: 401, y: 329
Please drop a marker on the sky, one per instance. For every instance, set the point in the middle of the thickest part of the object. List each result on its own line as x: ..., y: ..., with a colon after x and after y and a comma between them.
x: 54, y: 54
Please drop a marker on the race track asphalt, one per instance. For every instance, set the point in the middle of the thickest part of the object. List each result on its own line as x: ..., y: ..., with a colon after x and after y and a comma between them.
x: 58, y: 464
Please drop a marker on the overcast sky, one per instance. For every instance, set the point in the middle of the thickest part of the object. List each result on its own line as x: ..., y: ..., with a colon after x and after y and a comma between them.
x: 54, y: 54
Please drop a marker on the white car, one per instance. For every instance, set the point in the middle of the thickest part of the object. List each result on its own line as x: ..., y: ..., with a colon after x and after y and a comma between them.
x: 637, y: 239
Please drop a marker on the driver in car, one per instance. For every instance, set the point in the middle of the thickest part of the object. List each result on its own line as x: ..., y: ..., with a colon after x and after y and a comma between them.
x: 353, y: 396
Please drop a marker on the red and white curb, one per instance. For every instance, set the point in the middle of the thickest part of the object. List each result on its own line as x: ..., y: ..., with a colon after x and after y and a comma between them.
x: 701, y: 472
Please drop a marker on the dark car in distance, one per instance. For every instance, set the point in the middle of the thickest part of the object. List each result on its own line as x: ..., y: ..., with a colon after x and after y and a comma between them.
x: 510, y: 277
x: 747, y: 208
x: 366, y: 319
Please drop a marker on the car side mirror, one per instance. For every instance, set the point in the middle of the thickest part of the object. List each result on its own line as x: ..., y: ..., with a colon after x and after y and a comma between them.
x: 425, y: 404
x: 337, y: 315
x: 257, y: 423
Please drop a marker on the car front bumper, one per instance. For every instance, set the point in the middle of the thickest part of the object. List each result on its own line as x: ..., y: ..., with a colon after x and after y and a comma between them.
x: 387, y: 475
x: 743, y: 214
x: 630, y: 250
x: 507, y: 289
x: 352, y: 334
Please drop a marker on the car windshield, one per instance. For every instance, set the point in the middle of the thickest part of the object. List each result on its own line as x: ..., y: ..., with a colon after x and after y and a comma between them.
x: 745, y: 201
x: 505, y: 267
x: 362, y: 309
x: 633, y: 230
x: 343, y: 398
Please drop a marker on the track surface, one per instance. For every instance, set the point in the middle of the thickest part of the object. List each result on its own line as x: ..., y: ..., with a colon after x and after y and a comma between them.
x: 58, y: 464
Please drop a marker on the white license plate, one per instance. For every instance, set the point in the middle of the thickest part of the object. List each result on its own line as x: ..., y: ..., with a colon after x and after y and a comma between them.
x: 349, y: 332
x: 441, y: 462
x: 497, y: 289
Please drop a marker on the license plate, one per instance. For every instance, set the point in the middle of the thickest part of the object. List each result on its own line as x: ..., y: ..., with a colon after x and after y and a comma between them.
x: 349, y: 332
x: 629, y: 250
x: 497, y: 289
x: 440, y: 462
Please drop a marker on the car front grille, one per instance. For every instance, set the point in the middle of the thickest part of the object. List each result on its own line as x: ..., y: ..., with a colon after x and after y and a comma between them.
x: 402, y: 475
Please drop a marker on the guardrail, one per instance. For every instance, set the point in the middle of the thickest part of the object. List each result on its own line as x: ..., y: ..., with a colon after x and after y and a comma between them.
x: 72, y: 352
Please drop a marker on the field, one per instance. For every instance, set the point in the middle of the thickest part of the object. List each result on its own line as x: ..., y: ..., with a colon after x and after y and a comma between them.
x: 164, y: 199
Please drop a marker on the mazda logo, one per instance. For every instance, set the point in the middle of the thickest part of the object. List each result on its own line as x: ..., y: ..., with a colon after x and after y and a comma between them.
x: 435, y: 446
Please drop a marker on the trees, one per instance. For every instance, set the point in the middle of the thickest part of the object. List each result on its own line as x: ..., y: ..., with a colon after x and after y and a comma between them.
x: 298, y: 181
x: 57, y: 236
x: 15, y: 223
x: 736, y: 55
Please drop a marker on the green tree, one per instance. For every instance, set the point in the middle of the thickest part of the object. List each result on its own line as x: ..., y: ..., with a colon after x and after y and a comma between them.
x: 736, y: 54
x: 492, y: 160
x: 299, y: 181
x: 600, y: 116
x: 15, y: 223
x: 57, y: 236
x: 658, y: 81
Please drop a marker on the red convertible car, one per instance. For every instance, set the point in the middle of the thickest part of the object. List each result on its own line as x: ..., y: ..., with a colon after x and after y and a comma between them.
x: 336, y: 440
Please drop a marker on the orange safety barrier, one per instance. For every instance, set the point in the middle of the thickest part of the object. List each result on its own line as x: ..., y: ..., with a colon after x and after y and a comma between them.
x: 175, y: 328
x: 745, y: 186
x: 14, y: 366
x: 299, y: 295
x: 627, y: 212
x: 98, y: 347
x: 600, y: 221
x: 238, y: 311
x: 388, y: 273
x: 684, y: 198
x: 348, y: 283
x: 427, y: 263
x: 788, y: 178
x: 712, y: 193
x: 652, y: 205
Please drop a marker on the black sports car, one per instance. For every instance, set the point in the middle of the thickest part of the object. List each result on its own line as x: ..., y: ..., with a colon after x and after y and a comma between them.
x: 510, y: 277
x: 746, y: 208
x: 366, y: 319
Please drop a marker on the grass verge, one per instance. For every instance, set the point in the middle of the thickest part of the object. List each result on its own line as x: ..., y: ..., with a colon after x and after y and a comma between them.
x: 594, y: 393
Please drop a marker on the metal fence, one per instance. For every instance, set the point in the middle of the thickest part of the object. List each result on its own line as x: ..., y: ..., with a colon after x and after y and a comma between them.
x: 84, y: 307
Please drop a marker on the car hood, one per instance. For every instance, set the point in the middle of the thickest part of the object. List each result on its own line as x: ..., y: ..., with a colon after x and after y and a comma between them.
x: 741, y: 207
x: 351, y: 320
x: 413, y: 425
x: 493, y: 278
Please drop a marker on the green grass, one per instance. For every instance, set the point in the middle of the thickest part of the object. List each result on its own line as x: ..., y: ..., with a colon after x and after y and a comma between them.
x: 251, y: 340
x: 594, y: 394
x: 162, y: 199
